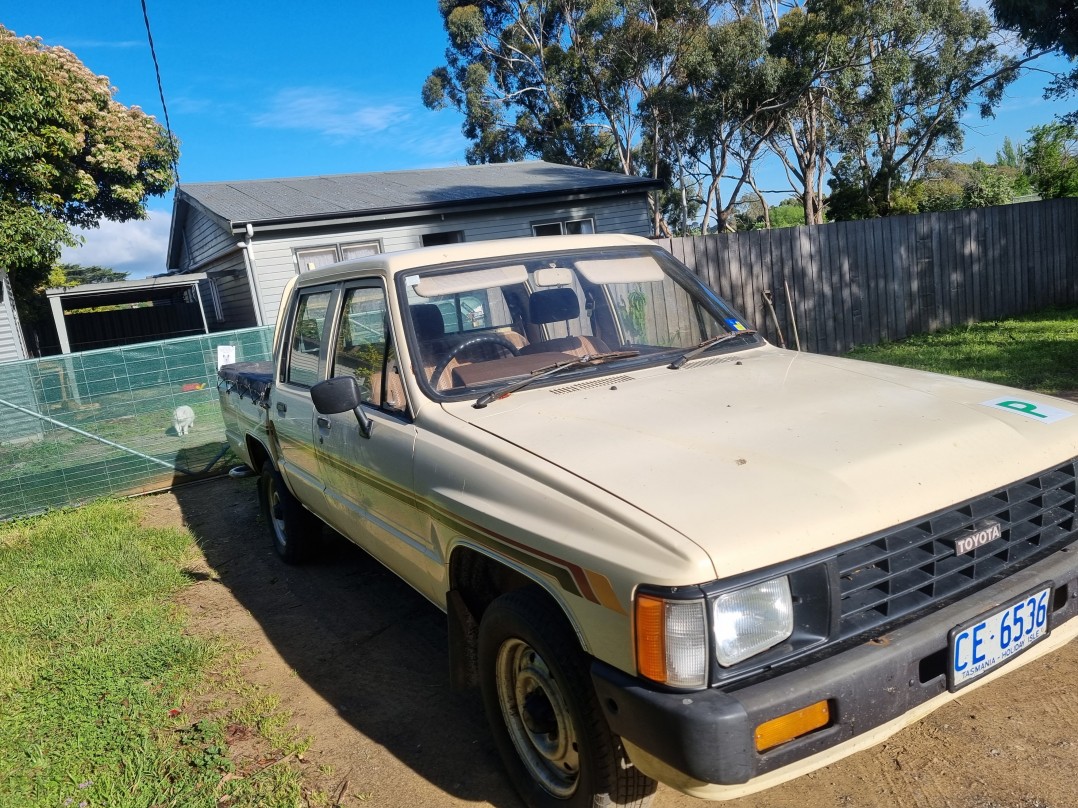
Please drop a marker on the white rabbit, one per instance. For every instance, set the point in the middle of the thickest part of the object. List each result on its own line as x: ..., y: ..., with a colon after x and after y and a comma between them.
x: 183, y: 418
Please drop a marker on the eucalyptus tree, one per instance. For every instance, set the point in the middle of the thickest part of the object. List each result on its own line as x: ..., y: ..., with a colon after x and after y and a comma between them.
x: 925, y: 63
x: 558, y: 79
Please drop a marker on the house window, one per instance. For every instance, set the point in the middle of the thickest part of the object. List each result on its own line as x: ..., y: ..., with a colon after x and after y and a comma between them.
x: 570, y: 227
x: 450, y: 237
x: 349, y: 251
x: 316, y: 257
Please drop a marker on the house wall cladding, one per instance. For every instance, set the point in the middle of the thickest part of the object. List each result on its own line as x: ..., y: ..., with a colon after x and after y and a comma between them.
x: 203, y: 238
x: 11, y: 342
x: 229, y: 275
x: 861, y: 283
x: 276, y: 264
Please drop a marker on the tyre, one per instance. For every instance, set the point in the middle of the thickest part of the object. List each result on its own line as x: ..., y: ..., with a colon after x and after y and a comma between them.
x: 292, y: 527
x: 546, y: 721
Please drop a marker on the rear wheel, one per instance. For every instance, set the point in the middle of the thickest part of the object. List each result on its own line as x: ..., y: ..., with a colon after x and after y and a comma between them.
x: 292, y: 527
x: 543, y: 713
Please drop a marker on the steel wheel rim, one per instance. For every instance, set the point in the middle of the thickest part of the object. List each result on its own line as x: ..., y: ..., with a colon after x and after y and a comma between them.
x: 276, y: 508
x: 538, y: 719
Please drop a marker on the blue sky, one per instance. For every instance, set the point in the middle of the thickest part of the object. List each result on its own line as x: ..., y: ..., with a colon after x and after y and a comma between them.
x: 271, y: 89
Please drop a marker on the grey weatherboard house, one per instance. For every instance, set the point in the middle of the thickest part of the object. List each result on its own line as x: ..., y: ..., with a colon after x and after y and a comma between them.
x: 249, y: 237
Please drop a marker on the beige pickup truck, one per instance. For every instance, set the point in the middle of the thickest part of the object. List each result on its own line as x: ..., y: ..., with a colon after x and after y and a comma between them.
x: 667, y: 550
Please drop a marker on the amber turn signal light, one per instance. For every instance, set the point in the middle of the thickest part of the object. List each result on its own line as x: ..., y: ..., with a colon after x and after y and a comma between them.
x: 785, y: 728
x: 650, y: 638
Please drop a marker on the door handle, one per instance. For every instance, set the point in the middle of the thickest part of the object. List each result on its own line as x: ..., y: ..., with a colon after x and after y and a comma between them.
x: 282, y: 408
x: 324, y: 422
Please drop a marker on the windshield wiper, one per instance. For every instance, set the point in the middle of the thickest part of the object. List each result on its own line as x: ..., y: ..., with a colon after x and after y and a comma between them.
x: 708, y: 343
x: 550, y: 370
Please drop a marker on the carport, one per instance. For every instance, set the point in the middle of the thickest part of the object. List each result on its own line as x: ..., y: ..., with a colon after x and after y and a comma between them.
x: 103, y: 315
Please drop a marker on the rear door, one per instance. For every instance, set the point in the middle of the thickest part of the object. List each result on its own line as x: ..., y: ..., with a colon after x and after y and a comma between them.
x: 291, y: 411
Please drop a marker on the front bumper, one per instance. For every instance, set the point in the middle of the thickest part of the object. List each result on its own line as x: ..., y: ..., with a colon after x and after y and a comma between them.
x: 703, y: 743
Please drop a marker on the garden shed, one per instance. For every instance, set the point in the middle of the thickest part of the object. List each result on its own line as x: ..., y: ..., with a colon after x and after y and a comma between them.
x: 104, y: 315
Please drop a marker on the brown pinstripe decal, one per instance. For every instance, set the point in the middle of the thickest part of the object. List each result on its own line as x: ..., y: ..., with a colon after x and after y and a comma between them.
x: 588, y: 584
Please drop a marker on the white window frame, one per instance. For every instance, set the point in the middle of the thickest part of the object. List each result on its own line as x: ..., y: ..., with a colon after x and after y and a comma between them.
x: 336, y: 250
x: 300, y: 252
x: 375, y: 243
x: 562, y: 224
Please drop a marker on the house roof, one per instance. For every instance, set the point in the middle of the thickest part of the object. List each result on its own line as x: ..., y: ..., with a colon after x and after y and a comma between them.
x: 299, y: 199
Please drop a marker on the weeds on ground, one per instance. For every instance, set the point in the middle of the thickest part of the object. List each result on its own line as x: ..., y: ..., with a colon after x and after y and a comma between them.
x: 97, y: 675
x: 1034, y: 352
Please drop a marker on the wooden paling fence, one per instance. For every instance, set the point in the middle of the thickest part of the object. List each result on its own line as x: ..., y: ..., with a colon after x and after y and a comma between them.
x: 860, y: 283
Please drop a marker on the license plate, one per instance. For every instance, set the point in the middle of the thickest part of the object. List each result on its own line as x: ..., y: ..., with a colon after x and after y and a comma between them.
x: 990, y: 640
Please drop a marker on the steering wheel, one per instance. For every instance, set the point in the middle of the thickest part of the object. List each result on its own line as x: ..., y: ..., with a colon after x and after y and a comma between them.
x: 471, y: 342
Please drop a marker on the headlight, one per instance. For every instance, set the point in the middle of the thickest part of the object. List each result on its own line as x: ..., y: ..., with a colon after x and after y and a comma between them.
x: 671, y: 640
x: 750, y: 620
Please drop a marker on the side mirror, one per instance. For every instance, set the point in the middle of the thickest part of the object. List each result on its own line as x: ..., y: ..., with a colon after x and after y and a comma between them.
x: 341, y: 394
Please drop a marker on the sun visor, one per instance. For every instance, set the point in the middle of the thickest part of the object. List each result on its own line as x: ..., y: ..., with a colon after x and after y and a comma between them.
x: 641, y: 269
x: 457, y: 282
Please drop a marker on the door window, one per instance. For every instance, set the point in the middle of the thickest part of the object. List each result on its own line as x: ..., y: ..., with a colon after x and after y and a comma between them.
x: 308, y: 329
x: 365, y: 351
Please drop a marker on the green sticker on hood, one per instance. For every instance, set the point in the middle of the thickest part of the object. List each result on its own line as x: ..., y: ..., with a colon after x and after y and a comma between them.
x: 1030, y: 409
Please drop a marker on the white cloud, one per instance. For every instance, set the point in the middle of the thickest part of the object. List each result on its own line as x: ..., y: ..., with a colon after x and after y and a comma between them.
x: 335, y: 114
x: 137, y: 247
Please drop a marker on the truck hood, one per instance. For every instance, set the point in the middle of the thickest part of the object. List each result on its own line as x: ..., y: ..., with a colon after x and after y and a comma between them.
x: 767, y: 455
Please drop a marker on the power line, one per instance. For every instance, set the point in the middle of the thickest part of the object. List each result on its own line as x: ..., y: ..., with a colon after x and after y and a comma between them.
x: 161, y: 92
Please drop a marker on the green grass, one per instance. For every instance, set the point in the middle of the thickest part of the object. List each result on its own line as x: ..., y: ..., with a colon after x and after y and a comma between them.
x: 98, y: 677
x: 1035, y: 352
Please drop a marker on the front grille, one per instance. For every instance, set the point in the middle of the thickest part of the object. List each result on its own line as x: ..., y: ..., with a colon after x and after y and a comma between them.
x: 915, y: 567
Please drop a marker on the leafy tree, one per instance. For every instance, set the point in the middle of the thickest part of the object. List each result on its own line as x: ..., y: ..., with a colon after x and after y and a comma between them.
x: 77, y: 274
x: 70, y: 156
x: 1051, y: 160
x: 925, y: 63
x: 567, y: 81
x: 988, y: 186
x: 723, y: 110
x: 788, y: 213
x: 750, y: 213
x: 814, y: 51
x: 1046, y: 24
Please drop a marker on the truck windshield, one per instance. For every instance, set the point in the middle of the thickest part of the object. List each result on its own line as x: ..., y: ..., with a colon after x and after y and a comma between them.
x: 475, y: 326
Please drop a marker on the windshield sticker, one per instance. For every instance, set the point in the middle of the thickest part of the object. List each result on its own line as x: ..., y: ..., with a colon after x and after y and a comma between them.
x: 1037, y: 412
x: 736, y: 324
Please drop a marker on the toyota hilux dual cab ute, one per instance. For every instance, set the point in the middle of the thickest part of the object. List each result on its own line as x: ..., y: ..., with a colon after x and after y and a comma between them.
x: 666, y: 550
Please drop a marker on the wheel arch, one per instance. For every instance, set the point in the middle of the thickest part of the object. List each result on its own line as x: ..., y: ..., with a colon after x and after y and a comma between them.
x: 258, y: 453
x: 478, y: 577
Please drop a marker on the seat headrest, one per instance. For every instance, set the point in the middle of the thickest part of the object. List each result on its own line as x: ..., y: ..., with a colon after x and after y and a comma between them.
x: 428, y: 322
x: 553, y: 306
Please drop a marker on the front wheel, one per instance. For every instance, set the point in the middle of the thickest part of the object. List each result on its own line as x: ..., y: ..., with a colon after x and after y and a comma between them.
x: 546, y: 721
x: 292, y: 527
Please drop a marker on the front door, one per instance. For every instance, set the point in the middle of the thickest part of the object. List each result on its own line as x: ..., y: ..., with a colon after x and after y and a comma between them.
x: 369, y: 485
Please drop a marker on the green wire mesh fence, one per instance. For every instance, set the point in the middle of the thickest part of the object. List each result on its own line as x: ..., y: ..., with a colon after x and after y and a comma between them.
x: 81, y: 426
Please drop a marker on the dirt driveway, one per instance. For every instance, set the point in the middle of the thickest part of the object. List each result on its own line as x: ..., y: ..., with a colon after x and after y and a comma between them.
x: 361, y: 662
